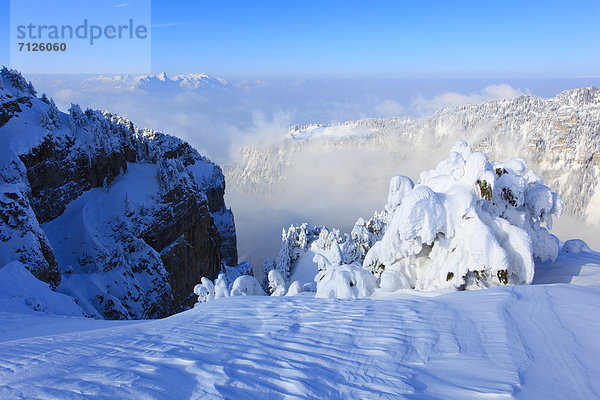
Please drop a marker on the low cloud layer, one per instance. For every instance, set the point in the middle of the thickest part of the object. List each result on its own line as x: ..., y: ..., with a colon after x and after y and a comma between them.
x: 426, y: 106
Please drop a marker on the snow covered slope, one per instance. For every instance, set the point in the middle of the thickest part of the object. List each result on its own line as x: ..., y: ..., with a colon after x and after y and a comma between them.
x: 529, y: 342
x: 123, y: 219
x: 559, y: 137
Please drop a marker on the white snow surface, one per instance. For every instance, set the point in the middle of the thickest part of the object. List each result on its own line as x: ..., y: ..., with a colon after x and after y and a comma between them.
x: 22, y: 292
x: 529, y: 342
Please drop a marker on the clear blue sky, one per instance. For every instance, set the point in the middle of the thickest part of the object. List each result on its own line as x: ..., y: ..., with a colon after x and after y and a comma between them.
x: 428, y: 39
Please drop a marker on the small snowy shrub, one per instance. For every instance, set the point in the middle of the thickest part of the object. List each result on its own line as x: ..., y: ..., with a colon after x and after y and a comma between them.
x: 276, y: 283
x: 207, y: 290
x: 204, y: 290
x: 221, y: 288
x: 246, y: 285
x: 575, y: 246
x: 232, y: 273
x: 468, y: 223
x: 345, y: 282
x: 295, y: 288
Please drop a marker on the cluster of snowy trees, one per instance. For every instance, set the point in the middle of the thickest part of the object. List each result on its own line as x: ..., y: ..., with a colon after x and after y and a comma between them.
x: 17, y: 81
x: 244, y: 285
x: 469, y: 223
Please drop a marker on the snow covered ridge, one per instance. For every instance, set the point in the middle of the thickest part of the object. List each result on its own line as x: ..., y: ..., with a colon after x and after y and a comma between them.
x: 125, y: 220
x: 469, y: 223
x: 559, y: 136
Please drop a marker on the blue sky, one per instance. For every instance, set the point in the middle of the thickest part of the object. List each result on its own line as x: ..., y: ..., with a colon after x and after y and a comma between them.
x: 389, y: 39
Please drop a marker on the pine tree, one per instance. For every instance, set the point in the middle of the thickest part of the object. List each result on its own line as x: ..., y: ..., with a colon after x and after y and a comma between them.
x: 31, y: 89
x: 76, y: 117
x: 46, y: 122
x: 54, y: 114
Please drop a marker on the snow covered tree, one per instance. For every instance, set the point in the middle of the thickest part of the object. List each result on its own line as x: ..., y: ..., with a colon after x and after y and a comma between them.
x: 31, y: 89
x: 45, y: 121
x: 295, y: 288
x: 469, y: 223
x: 345, y: 282
x: 44, y: 98
x: 246, y: 285
x: 50, y: 119
x: 276, y: 283
x: 172, y: 173
x: 268, y: 265
x: 205, y: 290
x: 54, y: 114
x: 77, y: 118
x: 18, y: 82
x: 221, y: 288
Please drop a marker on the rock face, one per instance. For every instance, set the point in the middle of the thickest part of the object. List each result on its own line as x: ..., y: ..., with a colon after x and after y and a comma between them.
x: 125, y: 220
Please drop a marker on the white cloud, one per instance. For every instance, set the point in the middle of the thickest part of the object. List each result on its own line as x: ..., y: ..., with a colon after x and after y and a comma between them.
x: 389, y: 108
x: 426, y: 106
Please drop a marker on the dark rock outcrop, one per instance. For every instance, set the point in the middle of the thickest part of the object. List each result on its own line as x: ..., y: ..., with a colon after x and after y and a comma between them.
x: 65, y: 215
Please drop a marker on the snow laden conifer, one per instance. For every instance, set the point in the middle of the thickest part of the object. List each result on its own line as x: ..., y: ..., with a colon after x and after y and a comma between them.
x: 294, y: 289
x: 54, y: 114
x: 346, y: 282
x: 276, y: 283
x: 469, y: 223
x: 246, y: 285
x: 205, y: 290
x: 18, y: 82
x: 50, y: 119
x: 45, y: 121
x: 221, y: 288
x: 77, y: 118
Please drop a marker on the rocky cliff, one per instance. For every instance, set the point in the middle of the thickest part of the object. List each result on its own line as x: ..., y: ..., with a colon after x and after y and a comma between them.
x: 123, y: 219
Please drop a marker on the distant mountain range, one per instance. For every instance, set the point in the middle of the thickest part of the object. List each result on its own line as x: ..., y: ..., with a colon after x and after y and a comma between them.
x: 163, y: 81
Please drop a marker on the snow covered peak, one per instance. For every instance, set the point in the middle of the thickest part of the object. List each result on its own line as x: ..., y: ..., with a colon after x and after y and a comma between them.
x: 197, y: 81
x: 588, y: 96
x: 162, y: 76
